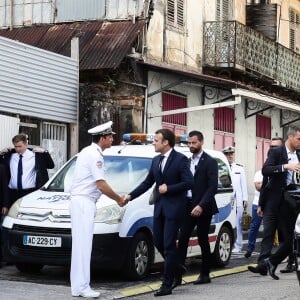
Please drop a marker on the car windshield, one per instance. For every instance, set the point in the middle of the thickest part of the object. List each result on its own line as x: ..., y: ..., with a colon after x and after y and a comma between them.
x: 122, y: 173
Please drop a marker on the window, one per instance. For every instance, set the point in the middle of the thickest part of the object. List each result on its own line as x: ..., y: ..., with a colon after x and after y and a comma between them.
x: 224, y: 10
x: 294, y: 31
x: 175, y: 13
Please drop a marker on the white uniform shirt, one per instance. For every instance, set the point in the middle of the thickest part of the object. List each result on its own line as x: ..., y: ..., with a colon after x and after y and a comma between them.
x: 258, y: 177
x: 89, y: 168
x: 239, y: 184
x: 28, y: 170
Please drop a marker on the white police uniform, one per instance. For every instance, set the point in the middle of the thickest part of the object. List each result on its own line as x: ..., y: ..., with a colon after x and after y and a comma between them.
x: 84, y: 194
x: 239, y: 184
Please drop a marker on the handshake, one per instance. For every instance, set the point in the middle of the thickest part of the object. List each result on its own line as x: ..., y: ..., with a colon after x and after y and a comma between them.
x: 124, y: 200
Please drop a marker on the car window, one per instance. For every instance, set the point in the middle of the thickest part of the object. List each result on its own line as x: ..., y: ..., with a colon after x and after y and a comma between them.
x: 122, y: 173
x: 224, y: 180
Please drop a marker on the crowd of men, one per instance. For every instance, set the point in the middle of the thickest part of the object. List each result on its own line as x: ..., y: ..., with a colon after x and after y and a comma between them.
x: 184, y: 199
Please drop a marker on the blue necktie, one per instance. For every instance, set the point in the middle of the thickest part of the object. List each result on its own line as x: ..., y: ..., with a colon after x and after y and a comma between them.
x: 161, y: 158
x: 20, y: 172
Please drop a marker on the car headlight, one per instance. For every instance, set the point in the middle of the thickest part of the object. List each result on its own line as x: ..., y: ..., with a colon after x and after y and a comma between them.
x: 14, y: 210
x: 111, y: 214
x: 297, y: 226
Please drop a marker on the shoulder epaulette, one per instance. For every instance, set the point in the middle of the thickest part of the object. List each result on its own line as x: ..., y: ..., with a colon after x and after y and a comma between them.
x: 239, y: 165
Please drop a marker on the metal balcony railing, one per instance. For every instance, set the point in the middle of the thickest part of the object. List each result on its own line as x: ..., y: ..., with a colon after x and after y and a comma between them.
x: 230, y: 44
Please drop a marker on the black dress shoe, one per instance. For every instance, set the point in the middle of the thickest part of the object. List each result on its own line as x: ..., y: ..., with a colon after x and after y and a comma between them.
x: 163, y: 291
x: 248, y: 254
x: 202, y: 279
x: 288, y: 269
x: 177, y: 282
x: 271, y: 269
x: 259, y: 269
x: 181, y: 269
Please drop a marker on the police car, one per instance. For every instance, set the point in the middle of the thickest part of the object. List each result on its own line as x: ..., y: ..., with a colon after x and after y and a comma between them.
x: 37, y: 229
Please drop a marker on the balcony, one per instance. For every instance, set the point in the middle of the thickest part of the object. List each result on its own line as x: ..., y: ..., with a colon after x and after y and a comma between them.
x: 229, y: 44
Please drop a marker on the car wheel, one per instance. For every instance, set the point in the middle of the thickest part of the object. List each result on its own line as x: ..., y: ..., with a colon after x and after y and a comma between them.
x: 29, y: 268
x: 140, y: 257
x: 223, y: 247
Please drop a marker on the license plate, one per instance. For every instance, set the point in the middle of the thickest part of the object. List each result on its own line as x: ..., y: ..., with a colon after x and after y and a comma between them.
x: 41, y: 241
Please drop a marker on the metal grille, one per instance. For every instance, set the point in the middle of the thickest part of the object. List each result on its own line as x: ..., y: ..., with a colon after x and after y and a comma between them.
x: 53, y: 131
x: 54, y: 253
x: 230, y: 44
x: 44, y: 230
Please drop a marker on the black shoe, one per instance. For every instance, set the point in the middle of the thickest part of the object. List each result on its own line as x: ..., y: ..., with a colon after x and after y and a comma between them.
x: 163, y: 291
x: 248, y: 254
x: 181, y: 269
x: 177, y: 282
x: 271, y: 269
x: 288, y: 269
x: 259, y: 269
x: 202, y: 279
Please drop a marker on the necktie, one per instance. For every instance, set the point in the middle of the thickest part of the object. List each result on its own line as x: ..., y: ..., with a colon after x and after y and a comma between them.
x: 20, y: 172
x: 161, y: 158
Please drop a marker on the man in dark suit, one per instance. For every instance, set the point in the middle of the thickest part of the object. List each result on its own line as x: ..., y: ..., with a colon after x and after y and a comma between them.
x: 26, y: 168
x: 201, y: 207
x: 278, y: 173
x: 171, y: 173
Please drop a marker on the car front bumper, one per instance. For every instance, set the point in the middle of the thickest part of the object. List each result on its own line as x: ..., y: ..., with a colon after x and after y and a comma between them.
x: 108, y: 251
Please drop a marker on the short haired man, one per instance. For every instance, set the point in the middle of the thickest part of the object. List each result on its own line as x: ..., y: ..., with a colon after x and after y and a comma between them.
x: 87, y: 186
x: 279, y: 167
x: 171, y: 173
x: 201, y: 206
x: 239, y: 184
x: 26, y: 168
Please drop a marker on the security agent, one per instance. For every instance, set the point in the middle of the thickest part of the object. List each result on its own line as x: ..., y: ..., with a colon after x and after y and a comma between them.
x: 239, y: 184
x: 87, y: 186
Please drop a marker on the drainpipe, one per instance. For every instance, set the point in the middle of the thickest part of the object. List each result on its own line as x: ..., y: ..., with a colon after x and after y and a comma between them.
x: 11, y: 14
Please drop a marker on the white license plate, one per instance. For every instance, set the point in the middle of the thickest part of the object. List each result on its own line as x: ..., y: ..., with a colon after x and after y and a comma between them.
x: 41, y: 241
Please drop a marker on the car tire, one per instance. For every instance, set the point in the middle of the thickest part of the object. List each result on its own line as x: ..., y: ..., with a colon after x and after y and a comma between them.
x: 223, y: 247
x: 29, y: 268
x: 140, y: 257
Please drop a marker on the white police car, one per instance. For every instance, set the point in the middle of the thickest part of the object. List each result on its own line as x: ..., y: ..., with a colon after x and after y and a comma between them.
x: 37, y: 230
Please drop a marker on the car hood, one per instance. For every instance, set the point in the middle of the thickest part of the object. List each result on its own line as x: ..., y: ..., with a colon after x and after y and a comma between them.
x: 40, y: 204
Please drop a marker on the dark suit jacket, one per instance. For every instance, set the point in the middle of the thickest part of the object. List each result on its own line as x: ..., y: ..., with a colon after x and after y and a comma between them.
x: 206, y: 184
x: 43, y: 161
x: 4, y: 199
x: 274, y: 181
x: 177, y: 176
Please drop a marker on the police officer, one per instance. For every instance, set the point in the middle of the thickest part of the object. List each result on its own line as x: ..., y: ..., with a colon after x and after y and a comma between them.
x: 240, y: 194
x: 87, y: 186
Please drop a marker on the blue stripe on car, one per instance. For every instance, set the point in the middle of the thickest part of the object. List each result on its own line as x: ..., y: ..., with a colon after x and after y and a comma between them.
x: 143, y: 222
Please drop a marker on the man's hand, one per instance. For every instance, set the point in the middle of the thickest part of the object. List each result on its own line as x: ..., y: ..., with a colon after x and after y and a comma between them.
x: 197, y: 211
x: 38, y: 150
x: 292, y: 167
x: 163, y: 188
x: 123, y: 201
x: 259, y: 211
x: 5, y: 150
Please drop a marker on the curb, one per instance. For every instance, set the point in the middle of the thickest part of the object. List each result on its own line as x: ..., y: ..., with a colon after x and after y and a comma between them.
x: 151, y: 287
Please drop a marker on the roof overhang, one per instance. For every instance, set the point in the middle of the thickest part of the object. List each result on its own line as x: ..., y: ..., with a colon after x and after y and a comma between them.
x: 272, y: 101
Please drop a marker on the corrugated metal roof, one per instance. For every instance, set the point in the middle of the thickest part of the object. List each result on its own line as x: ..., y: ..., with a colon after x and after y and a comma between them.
x: 102, y: 45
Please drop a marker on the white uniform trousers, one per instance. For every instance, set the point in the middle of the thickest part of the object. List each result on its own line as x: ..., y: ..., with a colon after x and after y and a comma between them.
x: 82, y: 211
x: 239, y: 230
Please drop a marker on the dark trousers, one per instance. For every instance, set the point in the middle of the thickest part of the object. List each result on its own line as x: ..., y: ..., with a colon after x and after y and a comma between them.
x: 270, y: 221
x: 165, y: 236
x: 203, y: 224
x: 286, y: 225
